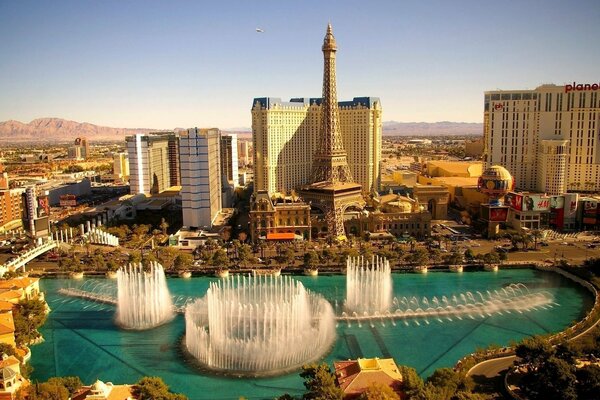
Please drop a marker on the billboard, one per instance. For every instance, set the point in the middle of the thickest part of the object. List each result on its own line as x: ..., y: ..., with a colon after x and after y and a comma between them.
x: 514, y: 201
x: 498, y: 214
x: 43, y: 209
x: 536, y: 202
x: 41, y: 227
x: 557, y: 202
x: 68, y: 200
x: 571, y: 200
x: 494, y: 213
x: 527, y: 201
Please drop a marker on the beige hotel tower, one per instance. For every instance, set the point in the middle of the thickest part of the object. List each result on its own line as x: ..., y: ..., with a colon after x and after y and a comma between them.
x: 285, y: 138
x: 548, y: 138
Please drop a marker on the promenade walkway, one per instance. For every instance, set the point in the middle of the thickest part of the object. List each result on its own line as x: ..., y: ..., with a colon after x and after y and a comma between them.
x: 22, y: 259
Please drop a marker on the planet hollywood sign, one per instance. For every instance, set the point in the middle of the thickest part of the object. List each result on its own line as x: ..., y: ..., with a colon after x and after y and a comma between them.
x: 581, y: 86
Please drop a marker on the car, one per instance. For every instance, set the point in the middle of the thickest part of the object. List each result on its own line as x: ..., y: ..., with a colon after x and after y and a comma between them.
x: 565, y: 243
x: 545, y: 244
x: 476, y: 244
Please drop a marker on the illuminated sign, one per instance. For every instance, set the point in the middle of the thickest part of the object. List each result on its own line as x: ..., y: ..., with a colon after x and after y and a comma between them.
x: 581, y: 86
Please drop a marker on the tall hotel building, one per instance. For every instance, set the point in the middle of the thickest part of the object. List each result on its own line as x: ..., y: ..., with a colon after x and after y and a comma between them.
x: 285, y: 138
x: 229, y: 158
x: 153, y: 162
x: 200, y: 157
x: 548, y: 138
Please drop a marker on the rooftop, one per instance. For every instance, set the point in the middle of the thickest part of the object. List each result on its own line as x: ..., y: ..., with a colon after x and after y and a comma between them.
x: 354, y: 376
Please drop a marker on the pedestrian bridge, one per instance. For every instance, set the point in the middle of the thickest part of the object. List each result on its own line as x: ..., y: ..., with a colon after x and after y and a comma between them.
x: 22, y: 259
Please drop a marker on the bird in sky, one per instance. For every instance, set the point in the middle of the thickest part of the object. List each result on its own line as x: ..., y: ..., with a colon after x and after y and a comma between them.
x: 259, y: 30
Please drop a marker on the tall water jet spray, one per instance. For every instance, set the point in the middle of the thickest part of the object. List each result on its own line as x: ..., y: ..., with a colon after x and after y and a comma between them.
x: 143, y: 299
x: 368, y: 285
x: 258, y: 326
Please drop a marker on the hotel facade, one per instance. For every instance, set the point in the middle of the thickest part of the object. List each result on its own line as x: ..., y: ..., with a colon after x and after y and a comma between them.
x: 153, y: 162
x: 201, y: 177
x: 547, y: 138
x: 285, y: 138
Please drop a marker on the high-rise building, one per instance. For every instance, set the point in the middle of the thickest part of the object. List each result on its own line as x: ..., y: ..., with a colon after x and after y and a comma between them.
x: 285, y: 140
x: 200, y: 157
x: 84, y: 146
x: 11, y: 204
x: 286, y: 135
x: 244, y: 152
x: 547, y: 138
x: 121, y: 166
x: 229, y: 158
x: 75, y: 152
x: 153, y: 162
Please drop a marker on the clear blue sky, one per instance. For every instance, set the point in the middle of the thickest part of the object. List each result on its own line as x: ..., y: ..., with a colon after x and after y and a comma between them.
x: 166, y: 64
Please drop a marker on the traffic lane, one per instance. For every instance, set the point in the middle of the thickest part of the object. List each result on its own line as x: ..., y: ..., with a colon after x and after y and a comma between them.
x: 492, y: 368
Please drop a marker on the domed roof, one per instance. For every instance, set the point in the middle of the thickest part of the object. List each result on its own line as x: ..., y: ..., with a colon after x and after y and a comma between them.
x: 8, y: 374
x: 495, y: 181
x: 497, y: 171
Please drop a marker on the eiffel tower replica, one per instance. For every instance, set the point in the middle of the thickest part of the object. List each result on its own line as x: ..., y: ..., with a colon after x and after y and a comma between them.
x: 332, y: 188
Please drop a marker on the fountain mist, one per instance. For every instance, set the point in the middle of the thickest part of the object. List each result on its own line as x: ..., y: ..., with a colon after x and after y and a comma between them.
x: 143, y: 299
x: 368, y: 285
x: 258, y: 326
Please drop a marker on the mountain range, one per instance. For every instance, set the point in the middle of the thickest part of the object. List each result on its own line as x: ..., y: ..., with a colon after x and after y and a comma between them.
x: 442, y: 128
x: 61, y: 130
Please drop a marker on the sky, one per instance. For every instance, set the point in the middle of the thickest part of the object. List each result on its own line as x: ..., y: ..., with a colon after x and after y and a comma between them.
x: 168, y: 64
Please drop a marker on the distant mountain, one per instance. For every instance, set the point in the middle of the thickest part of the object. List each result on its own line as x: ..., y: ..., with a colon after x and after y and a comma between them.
x: 442, y: 128
x: 60, y: 130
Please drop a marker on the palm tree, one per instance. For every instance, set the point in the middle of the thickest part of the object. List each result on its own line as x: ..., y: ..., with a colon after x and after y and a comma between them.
x: 526, y: 240
x: 536, y: 234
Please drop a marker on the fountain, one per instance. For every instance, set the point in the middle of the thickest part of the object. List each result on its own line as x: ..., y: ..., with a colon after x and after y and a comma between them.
x: 258, y: 326
x: 143, y: 299
x: 368, y: 285
x: 515, y: 297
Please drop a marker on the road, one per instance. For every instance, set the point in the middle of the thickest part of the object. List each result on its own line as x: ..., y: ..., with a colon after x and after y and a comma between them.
x: 492, y: 368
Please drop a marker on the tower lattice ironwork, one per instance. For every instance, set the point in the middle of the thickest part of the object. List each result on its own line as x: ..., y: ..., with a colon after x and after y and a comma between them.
x: 330, y: 162
x: 332, y: 187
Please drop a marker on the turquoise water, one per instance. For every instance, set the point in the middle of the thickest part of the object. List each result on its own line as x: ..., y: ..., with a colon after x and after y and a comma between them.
x: 81, y: 338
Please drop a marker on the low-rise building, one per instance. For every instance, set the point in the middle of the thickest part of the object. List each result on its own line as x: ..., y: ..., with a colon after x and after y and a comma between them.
x: 11, y: 379
x: 277, y: 215
x: 355, y: 376
x: 104, y: 391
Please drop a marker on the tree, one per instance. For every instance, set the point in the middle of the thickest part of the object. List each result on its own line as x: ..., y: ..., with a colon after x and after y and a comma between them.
x: 311, y: 259
x: 454, y: 258
x: 244, y: 254
x: 167, y: 256
x: 7, y: 349
x: 319, y: 382
x: 71, y: 383
x: 412, y: 384
x: 449, y: 382
x: 536, y: 234
x: 534, y: 351
x: 588, y: 379
x: 48, y: 391
x: 28, y: 316
x: 419, y: 257
x: 469, y: 255
x: 556, y: 380
x: 183, y: 262
x: 220, y: 259
x: 153, y: 388
x: 379, y: 391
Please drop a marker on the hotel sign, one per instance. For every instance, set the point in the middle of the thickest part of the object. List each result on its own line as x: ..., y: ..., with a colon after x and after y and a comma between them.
x: 581, y: 86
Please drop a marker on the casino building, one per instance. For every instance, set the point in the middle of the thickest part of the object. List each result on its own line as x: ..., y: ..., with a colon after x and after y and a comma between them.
x: 547, y: 138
